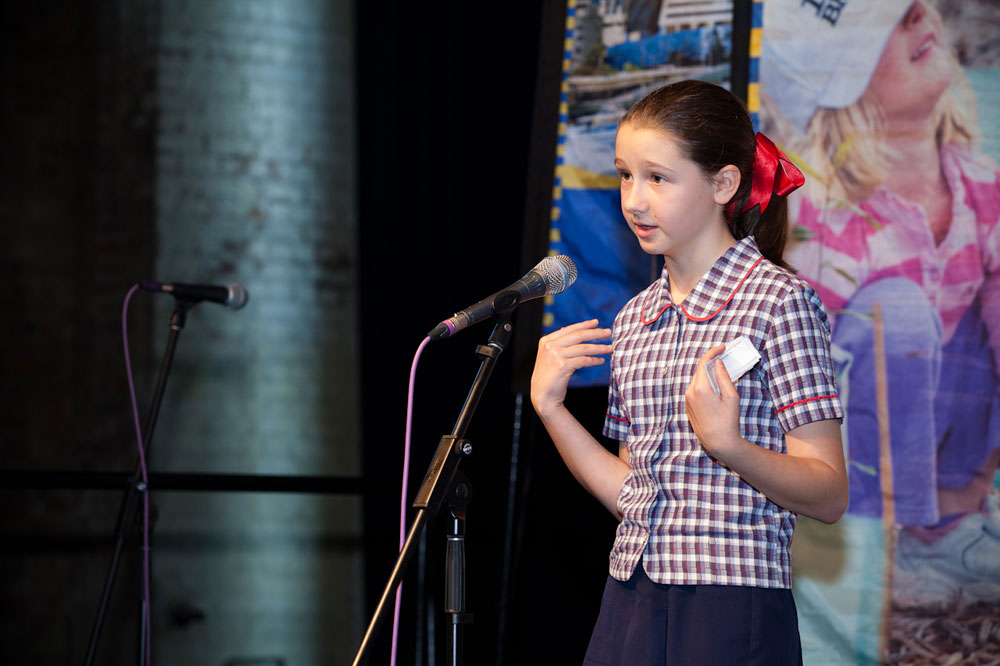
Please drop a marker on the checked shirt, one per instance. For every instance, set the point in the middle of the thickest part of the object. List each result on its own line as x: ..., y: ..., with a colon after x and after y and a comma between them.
x: 687, y: 518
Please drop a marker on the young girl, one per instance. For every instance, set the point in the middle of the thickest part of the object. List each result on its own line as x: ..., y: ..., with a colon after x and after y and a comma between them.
x: 904, y: 212
x: 706, y: 486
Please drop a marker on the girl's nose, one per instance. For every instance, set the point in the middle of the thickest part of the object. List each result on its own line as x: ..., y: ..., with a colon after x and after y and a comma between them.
x: 914, y: 14
x: 634, y: 201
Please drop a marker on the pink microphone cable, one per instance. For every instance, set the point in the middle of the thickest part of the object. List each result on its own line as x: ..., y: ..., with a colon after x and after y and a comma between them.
x: 403, y: 494
x: 145, y: 480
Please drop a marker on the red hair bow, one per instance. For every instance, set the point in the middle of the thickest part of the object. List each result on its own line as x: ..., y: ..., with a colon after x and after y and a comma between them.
x: 773, y: 173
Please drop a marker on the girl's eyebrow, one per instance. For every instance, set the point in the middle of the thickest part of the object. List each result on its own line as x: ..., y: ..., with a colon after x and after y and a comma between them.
x: 657, y: 165
x: 648, y: 164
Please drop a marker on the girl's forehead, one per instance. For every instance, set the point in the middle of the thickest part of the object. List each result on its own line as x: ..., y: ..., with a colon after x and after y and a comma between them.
x: 638, y: 126
x: 641, y: 135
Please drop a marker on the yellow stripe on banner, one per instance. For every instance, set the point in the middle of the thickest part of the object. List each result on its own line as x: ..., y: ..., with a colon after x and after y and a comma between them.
x: 753, y: 97
x: 556, y: 193
x: 568, y: 44
x: 554, y: 213
x: 561, y: 150
x: 563, y: 108
x: 755, y: 38
x: 570, y: 22
x: 577, y: 178
x: 547, y: 319
x: 555, y: 236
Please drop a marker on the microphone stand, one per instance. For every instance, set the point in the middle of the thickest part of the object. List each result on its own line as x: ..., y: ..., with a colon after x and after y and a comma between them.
x: 134, y: 491
x: 454, y: 592
x: 441, y: 480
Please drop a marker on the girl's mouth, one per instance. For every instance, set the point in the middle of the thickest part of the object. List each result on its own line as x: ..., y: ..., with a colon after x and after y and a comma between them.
x: 924, y: 47
x: 644, y: 229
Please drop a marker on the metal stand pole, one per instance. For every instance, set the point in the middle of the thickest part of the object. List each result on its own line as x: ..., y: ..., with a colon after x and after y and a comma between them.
x: 126, y: 509
x: 440, y: 476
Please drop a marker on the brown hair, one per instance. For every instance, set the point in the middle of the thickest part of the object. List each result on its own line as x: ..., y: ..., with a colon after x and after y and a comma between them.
x: 713, y: 129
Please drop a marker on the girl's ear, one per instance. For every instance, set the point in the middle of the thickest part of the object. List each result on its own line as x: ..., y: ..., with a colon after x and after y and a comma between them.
x: 727, y: 183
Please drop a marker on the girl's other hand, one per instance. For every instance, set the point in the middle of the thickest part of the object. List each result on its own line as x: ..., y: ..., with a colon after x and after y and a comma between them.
x: 714, y: 418
x: 560, y: 354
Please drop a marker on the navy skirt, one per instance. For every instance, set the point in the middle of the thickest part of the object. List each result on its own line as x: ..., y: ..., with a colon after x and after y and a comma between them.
x: 644, y: 623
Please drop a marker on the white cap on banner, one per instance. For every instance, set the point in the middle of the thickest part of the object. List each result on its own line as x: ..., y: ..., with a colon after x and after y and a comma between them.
x: 822, y: 53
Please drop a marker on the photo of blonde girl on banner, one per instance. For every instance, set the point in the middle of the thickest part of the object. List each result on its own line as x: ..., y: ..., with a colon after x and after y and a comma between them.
x: 881, y: 104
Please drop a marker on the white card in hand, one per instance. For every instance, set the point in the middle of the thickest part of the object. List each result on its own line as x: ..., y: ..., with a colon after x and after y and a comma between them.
x: 738, y: 358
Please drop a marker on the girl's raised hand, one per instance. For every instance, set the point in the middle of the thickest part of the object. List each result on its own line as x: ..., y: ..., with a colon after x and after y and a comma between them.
x: 560, y: 354
x: 714, y: 418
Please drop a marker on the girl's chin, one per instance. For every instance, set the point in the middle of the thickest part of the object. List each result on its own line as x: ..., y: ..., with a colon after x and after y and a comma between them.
x: 920, y: 109
x: 651, y: 247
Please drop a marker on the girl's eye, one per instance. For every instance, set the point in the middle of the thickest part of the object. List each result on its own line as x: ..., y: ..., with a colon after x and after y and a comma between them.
x: 624, y: 175
x: 657, y: 178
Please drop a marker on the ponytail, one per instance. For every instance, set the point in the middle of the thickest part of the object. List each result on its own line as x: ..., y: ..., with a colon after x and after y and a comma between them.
x: 762, y: 203
x: 770, y: 230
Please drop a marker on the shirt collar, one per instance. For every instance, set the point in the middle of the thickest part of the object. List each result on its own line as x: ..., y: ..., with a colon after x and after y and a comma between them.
x: 715, y: 289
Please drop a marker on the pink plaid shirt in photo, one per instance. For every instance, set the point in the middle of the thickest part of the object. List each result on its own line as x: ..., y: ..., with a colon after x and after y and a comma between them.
x: 884, y: 236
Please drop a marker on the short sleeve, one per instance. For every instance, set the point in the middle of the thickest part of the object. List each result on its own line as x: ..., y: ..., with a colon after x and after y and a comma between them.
x: 616, y: 421
x: 801, y: 376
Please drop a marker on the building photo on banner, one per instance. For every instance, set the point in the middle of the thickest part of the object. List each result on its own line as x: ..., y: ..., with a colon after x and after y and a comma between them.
x: 891, y: 109
x: 617, y: 52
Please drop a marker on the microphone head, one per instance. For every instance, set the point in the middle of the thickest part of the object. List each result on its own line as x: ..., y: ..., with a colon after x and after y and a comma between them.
x: 238, y: 296
x: 559, y: 272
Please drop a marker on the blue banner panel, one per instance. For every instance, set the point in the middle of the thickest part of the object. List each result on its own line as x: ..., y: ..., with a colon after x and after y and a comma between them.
x: 615, y: 53
x: 612, y: 266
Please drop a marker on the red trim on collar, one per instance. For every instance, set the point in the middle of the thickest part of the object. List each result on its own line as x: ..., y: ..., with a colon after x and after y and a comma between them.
x: 642, y: 314
x: 742, y: 280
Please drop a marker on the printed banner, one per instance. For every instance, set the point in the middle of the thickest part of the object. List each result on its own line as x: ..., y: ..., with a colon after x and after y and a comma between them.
x: 890, y: 108
x: 616, y: 52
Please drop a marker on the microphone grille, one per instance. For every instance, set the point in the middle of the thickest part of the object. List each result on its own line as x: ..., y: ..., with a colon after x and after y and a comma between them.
x: 559, y: 273
x: 238, y: 296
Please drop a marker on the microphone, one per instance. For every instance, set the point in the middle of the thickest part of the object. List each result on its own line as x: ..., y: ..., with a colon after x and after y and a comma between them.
x: 551, y: 276
x: 233, y: 296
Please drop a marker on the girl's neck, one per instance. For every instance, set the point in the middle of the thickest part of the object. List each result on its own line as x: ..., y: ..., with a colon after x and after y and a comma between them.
x: 914, y: 156
x: 915, y: 174
x: 688, y: 266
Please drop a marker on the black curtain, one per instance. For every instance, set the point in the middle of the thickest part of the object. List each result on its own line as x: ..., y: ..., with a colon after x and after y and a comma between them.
x: 458, y: 107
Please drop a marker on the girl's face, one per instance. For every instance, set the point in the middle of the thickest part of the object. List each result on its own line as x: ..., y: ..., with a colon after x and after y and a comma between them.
x: 914, y: 69
x: 667, y: 201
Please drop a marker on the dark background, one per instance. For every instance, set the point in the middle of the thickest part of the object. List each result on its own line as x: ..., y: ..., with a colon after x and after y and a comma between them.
x: 471, y: 194
x: 457, y: 107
